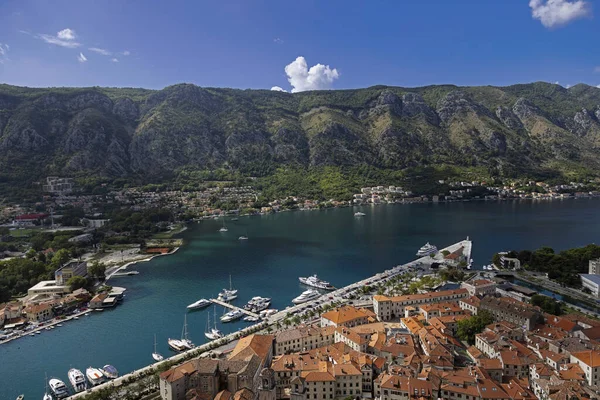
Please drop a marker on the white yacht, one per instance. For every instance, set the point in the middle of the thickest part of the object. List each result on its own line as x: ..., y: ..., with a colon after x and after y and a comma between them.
x: 199, y: 304
x: 267, y: 313
x: 257, y: 304
x: 156, y: 355
x: 110, y: 372
x: 176, y: 345
x: 250, y: 318
x: 427, y: 250
x: 212, y: 333
x: 316, y: 282
x: 243, y: 237
x: 58, y: 388
x: 184, y: 343
x: 94, y: 375
x: 307, y: 295
x: 232, y: 316
x: 359, y: 214
x: 77, y: 380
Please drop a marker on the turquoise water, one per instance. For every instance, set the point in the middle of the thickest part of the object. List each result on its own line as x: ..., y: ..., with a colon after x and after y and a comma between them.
x: 332, y: 243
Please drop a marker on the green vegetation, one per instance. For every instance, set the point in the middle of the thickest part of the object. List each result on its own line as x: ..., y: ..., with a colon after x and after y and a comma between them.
x: 97, y: 270
x: 469, y: 327
x: 77, y: 282
x: 547, y: 304
x: 563, y: 267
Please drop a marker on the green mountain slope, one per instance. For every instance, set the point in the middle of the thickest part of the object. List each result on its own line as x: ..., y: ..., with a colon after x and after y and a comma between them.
x: 144, y: 134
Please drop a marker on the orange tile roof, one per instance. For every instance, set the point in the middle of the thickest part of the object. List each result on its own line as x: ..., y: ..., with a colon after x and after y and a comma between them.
x: 319, y: 376
x: 423, y: 296
x: 591, y: 357
x: 345, y: 314
x: 258, y: 345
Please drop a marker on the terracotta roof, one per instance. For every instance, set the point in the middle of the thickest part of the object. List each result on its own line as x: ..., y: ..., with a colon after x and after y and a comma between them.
x: 591, y: 358
x: 489, y: 363
x: 37, y: 308
x: 345, y: 314
x: 318, y: 376
x: 259, y: 345
x: 243, y: 394
x: 424, y: 296
x: 223, y: 395
x: 592, y: 333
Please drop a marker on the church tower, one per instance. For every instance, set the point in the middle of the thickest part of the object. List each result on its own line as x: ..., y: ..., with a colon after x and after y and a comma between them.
x: 266, y: 389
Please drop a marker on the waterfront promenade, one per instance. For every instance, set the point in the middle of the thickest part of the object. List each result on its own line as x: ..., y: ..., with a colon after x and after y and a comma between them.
x: 325, y: 299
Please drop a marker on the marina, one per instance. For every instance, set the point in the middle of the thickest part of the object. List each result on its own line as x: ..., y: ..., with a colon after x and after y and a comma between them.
x: 354, y: 252
x: 232, y: 307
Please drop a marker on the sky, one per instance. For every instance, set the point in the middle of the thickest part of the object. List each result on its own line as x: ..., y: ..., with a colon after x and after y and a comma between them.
x: 296, y: 46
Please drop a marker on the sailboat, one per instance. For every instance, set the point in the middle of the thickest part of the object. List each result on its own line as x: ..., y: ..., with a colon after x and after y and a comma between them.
x: 156, y: 355
x: 212, y: 333
x: 47, y: 396
x: 223, y: 228
x: 184, y: 343
x: 228, y: 294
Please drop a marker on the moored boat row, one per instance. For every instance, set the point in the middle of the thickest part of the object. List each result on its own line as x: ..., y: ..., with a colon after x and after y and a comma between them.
x: 95, y: 376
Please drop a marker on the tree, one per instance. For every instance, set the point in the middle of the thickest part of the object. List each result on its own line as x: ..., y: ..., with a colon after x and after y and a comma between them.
x: 97, y: 270
x: 60, y: 257
x: 77, y: 282
x: 468, y: 328
x: 547, y: 304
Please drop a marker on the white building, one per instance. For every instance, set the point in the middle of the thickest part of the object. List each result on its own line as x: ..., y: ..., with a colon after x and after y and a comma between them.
x: 592, y: 282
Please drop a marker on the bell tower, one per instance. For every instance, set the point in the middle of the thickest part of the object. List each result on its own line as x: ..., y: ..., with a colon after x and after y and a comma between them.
x: 266, y: 390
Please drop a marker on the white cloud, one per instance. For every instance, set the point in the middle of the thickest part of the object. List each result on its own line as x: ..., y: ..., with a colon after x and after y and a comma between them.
x: 278, y: 89
x: 81, y: 58
x: 100, y: 51
x: 115, y: 60
x: 64, y: 38
x: 555, y: 13
x: 278, y: 40
x: 4, y: 48
x: 302, y: 78
x: 598, y: 86
x: 66, y: 34
x: 126, y: 53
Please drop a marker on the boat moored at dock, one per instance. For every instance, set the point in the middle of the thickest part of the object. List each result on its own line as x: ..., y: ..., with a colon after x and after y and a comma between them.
x: 427, y: 250
x: 316, y: 282
x: 77, y: 380
x: 95, y: 376
x: 307, y: 295
x: 58, y: 388
x: 199, y: 304
x: 110, y: 372
x: 232, y: 315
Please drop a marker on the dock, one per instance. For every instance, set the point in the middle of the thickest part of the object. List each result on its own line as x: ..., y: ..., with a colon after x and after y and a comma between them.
x: 231, y: 306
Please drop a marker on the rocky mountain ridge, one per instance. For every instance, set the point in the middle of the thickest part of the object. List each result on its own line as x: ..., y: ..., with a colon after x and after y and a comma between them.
x: 135, y: 132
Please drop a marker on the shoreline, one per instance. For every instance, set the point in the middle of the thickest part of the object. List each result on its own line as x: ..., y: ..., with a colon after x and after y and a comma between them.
x: 133, y: 262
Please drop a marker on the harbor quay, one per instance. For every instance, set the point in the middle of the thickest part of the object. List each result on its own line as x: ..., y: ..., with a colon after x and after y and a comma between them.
x: 449, y: 255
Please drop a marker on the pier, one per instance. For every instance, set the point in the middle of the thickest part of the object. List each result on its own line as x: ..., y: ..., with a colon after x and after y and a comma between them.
x: 231, y: 306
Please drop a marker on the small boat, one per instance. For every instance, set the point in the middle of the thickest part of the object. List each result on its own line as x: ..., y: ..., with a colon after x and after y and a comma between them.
x: 20, y: 397
x: 227, y: 295
x: 47, y: 396
x: 110, y: 372
x: 212, y: 333
x: 59, y: 325
x: 250, y: 318
x: 59, y: 388
x: 77, y: 380
x: 307, y: 295
x: 268, y: 313
x: 234, y: 219
x: 156, y: 355
x: 94, y: 375
x: 184, y: 343
x: 75, y: 317
x: 243, y: 237
x: 38, y: 332
x: 198, y: 304
x: 223, y: 228
x: 176, y: 345
x: 232, y: 316
x: 32, y: 334
x: 359, y: 214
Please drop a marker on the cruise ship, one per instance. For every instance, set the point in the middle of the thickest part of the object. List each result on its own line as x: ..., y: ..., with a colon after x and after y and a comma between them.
x: 232, y: 316
x: 110, y: 372
x: 77, y: 380
x: 307, y: 295
x: 94, y: 375
x: 199, y: 304
x: 316, y: 282
x: 427, y: 250
x: 58, y: 388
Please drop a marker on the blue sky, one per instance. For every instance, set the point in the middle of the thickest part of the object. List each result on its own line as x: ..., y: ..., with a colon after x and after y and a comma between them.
x: 248, y: 44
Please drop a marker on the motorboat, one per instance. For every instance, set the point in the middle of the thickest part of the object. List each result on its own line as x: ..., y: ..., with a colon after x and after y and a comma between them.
x: 94, y: 375
x: 359, y: 214
x: 267, y: 313
x: 250, y: 318
x: 426, y: 250
x: 316, y: 282
x: 198, y: 304
x: 156, y: 355
x: 77, y: 380
x: 243, y: 237
x: 307, y: 295
x: 110, y: 372
x: 232, y: 315
x: 177, y: 345
x: 212, y: 333
x: 58, y: 388
x: 227, y: 295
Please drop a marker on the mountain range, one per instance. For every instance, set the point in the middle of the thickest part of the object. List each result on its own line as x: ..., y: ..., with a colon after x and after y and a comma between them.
x: 526, y: 129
